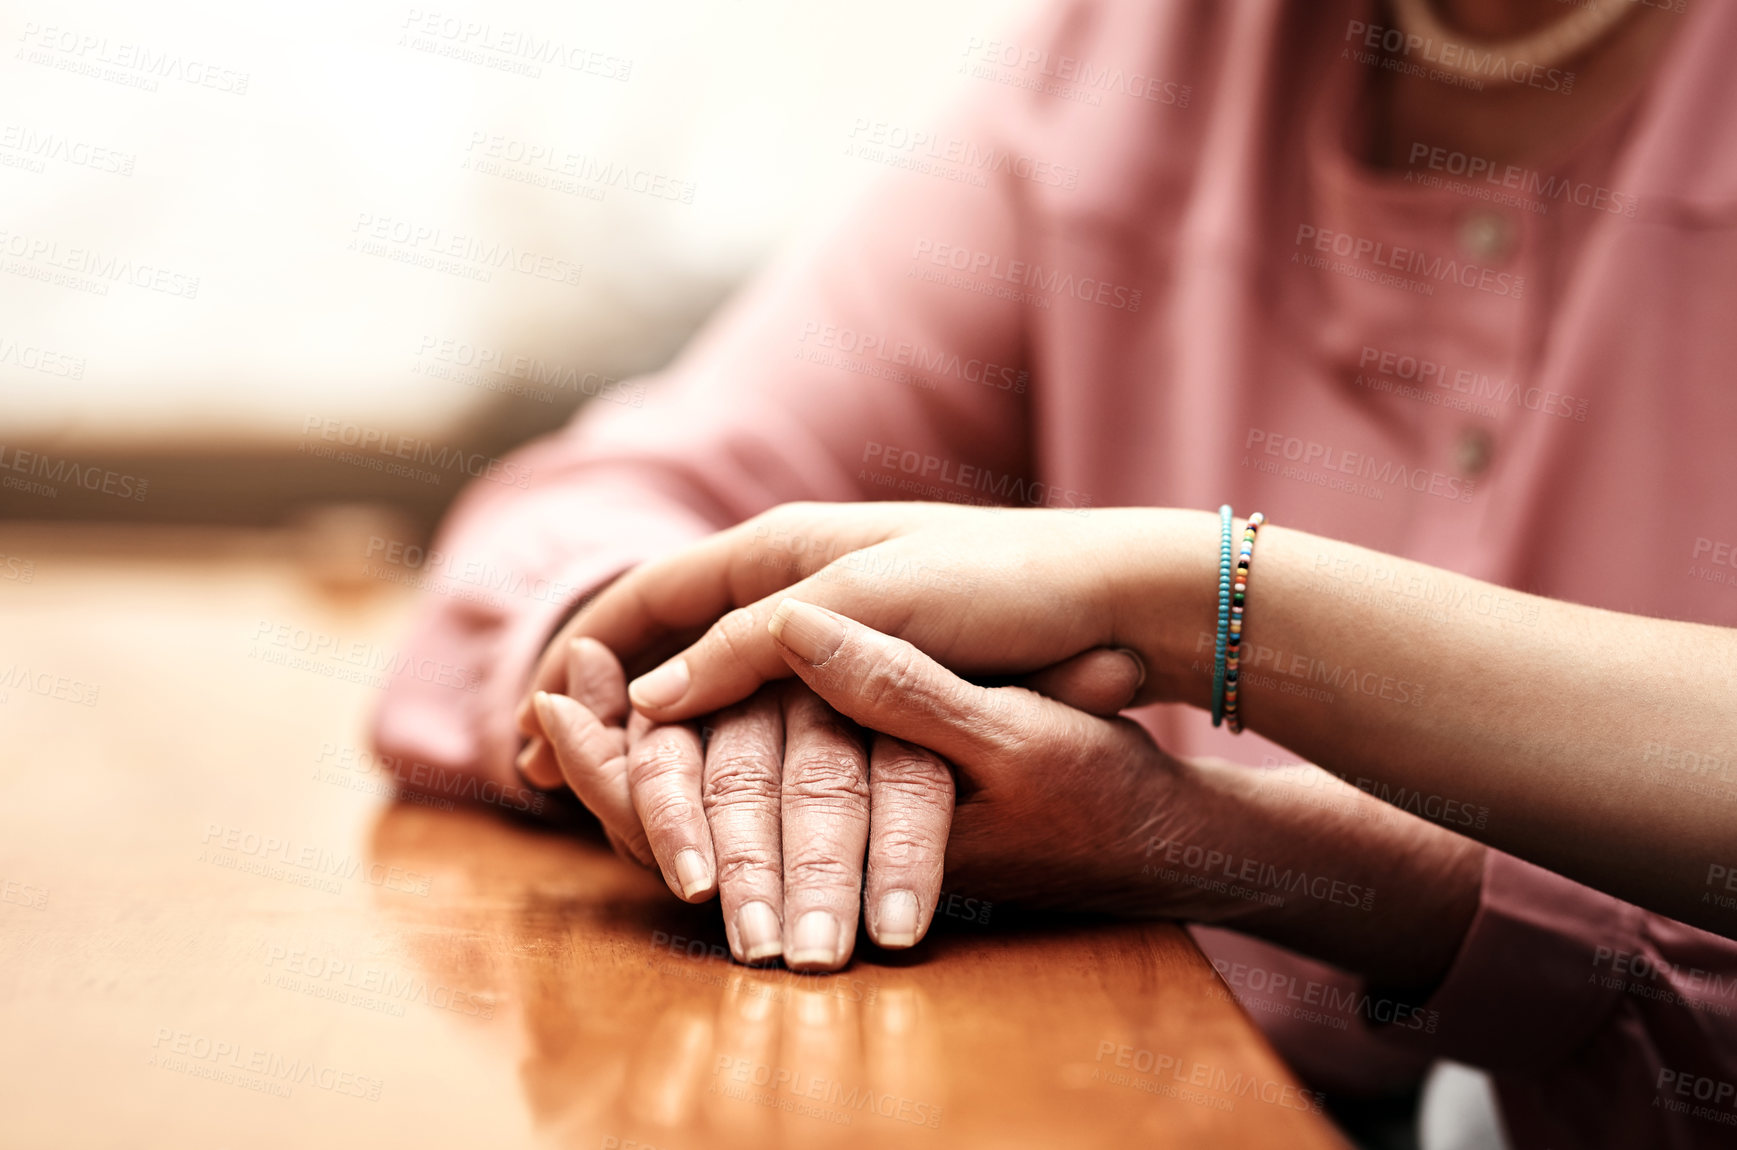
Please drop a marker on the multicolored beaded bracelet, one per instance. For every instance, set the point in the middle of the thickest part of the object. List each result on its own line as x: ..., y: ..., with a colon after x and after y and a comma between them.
x: 1239, y: 592
x: 1218, y: 656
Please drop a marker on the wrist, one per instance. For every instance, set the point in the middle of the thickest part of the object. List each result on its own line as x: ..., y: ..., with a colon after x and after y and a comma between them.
x: 1165, y: 603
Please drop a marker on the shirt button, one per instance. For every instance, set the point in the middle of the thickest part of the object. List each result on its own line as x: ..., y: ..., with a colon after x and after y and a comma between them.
x: 1487, y: 236
x: 1473, y: 451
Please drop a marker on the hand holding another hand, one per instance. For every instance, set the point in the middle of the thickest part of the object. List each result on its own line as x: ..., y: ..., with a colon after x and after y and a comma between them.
x: 986, y: 591
x: 1051, y: 803
x: 773, y: 811
x: 795, y: 820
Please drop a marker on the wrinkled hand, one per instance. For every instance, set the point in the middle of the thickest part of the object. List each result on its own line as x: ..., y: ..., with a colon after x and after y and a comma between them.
x: 780, y: 808
x: 774, y: 813
x: 984, y: 591
x: 1055, y: 806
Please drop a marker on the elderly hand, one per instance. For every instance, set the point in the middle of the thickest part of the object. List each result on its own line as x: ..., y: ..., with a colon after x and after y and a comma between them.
x: 1055, y: 806
x: 778, y: 808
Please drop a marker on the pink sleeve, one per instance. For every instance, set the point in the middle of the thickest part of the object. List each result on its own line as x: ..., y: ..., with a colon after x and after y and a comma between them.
x: 835, y: 361
x: 1603, y: 1025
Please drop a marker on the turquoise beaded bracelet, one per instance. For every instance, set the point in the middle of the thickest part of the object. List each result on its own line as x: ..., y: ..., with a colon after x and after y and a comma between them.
x: 1220, y: 649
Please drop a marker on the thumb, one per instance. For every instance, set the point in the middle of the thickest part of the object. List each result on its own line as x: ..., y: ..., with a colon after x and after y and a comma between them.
x: 888, y: 685
x: 1102, y: 681
x: 595, y: 679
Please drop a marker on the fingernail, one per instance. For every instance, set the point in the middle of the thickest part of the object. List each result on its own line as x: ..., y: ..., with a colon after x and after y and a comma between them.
x: 897, y: 924
x: 662, y: 687
x: 1139, y: 665
x: 545, y: 711
x: 815, y: 940
x: 758, y: 931
x: 807, y: 630
x: 692, y: 872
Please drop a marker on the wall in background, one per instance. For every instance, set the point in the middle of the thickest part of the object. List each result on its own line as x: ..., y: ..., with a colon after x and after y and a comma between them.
x: 221, y: 221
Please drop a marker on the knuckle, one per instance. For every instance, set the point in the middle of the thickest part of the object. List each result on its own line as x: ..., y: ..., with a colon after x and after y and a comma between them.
x: 997, y: 725
x: 911, y: 797
x: 904, y: 843
x: 894, y: 679
x: 666, y: 812
x: 749, y: 865
x: 911, y: 772
x: 1037, y: 735
x: 835, y: 776
x: 735, y: 777
x: 821, y: 872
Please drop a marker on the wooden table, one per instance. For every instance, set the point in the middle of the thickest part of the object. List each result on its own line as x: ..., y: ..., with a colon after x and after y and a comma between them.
x: 216, y: 929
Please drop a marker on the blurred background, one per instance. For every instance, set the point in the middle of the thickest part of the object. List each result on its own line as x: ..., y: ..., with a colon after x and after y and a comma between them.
x: 235, y: 239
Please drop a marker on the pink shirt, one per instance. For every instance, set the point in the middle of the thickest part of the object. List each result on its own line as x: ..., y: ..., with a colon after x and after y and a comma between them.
x: 1143, y: 266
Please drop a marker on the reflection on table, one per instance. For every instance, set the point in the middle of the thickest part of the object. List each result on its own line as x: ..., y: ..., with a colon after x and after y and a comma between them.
x: 218, y: 929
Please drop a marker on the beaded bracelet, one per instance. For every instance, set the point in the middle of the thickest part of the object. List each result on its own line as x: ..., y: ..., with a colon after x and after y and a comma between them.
x: 1219, y: 650
x: 1238, y: 593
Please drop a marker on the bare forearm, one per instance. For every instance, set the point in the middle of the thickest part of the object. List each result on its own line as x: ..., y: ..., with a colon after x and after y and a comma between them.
x: 1540, y: 727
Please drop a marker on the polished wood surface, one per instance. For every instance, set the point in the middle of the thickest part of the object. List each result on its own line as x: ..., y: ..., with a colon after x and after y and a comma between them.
x: 217, y: 929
